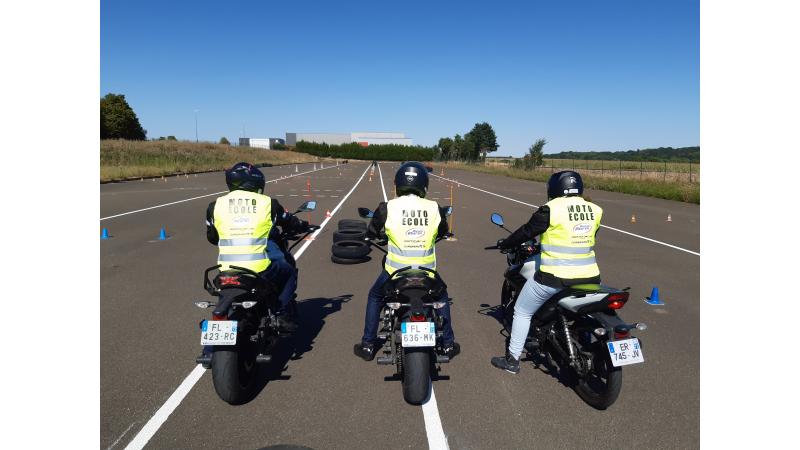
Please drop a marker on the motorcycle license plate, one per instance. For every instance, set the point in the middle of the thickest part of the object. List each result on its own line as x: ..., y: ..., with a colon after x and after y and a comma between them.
x: 218, y: 332
x: 418, y: 334
x: 624, y: 352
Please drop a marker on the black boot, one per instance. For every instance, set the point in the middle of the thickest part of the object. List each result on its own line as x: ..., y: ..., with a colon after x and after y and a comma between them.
x: 365, y: 351
x: 451, y: 350
x: 507, y: 363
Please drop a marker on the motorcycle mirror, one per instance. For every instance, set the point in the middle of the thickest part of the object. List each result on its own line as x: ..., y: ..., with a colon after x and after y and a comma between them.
x: 497, y: 219
x: 307, y: 206
x: 365, y: 213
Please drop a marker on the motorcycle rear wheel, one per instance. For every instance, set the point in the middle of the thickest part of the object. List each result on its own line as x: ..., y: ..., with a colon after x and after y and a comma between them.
x: 234, y: 374
x: 416, y: 374
x: 600, y: 388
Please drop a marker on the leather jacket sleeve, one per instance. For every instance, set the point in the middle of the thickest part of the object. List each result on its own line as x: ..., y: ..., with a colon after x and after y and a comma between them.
x: 535, y: 226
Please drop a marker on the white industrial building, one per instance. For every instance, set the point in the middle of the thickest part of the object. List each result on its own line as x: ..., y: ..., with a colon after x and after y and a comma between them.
x: 267, y: 143
x: 361, y: 137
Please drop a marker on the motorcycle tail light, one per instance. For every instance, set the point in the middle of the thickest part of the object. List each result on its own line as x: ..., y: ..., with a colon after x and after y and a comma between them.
x: 621, y: 334
x: 617, y: 300
x: 418, y: 317
x: 230, y: 281
x: 219, y: 317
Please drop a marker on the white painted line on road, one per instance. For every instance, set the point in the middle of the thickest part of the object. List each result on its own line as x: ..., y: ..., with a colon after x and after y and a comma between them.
x: 433, y: 424
x: 382, y: 187
x: 430, y: 410
x: 203, y: 196
x: 158, y: 419
x: 166, y: 409
x: 121, y: 436
x: 604, y: 226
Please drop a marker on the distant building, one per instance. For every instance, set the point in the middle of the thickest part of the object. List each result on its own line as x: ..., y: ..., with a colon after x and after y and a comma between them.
x: 362, y: 137
x: 266, y: 143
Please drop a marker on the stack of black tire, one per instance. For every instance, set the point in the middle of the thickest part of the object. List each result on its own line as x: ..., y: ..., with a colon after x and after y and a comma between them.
x: 349, y: 245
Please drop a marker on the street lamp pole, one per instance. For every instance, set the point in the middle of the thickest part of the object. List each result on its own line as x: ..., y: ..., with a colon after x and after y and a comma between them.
x: 195, y: 127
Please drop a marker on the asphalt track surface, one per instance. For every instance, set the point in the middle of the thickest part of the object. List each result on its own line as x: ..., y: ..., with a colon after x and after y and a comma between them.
x: 317, y: 394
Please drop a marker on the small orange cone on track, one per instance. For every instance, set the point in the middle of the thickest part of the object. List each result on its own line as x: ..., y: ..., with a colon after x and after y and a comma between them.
x: 633, y: 218
x: 669, y: 217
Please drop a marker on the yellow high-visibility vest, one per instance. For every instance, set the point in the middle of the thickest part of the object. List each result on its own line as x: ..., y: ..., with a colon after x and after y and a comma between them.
x: 412, y: 224
x: 243, y: 220
x: 568, y: 243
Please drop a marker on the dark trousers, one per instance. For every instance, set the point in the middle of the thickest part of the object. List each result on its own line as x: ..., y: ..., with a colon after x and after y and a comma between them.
x: 375, y: 301
x: 284, y: 276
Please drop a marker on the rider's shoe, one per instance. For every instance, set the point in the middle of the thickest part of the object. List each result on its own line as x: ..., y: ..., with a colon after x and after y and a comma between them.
x: 287, y: 322
x: 451, y: 350
x: 365, y: 351
x: 507, y: 363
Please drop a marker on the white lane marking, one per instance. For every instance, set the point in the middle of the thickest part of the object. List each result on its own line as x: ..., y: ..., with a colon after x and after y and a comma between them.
x: 430, y: 410
x: 166, y: 409
x: 382, y: 188
x: 313, y: 237
x: 121, y: 436
x: 203, y: 196
x: 158, y: 419
x: 433, y: 424
x: 604, y: 226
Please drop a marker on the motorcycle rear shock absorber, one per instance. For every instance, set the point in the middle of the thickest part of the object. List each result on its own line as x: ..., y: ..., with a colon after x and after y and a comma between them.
x: 568, y: 341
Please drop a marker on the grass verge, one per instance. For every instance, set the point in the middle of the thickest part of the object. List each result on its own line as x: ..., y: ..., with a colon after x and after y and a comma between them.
x: 121, y: 159
x: 669, y: 190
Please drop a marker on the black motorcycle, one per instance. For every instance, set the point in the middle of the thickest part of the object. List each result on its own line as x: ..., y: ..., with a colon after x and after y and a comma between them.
x: 244, y: 329
x: 578, y: 328
x: 410, y: 325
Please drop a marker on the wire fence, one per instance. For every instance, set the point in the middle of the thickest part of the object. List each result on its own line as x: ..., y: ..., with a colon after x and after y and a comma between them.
x: 687, y: 171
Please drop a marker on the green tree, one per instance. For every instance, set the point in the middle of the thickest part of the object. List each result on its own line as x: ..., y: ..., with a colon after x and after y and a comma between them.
x: 485, y: 139
x: 171, y: 138
x: 457, y: 150
x: 117, y: 119
x: 536, y: 153
x: 470, y: 148
x: 445, y: 147
x: 224, y: 141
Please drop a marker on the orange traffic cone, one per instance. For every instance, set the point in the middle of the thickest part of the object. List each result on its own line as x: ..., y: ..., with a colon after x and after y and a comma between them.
x: 633, y: 218
x: 669, y: 217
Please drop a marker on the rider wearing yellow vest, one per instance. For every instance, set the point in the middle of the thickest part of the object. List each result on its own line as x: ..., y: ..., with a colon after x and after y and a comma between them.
x: 411, y: 225
x: 240, y: 224
x: 568, y: 225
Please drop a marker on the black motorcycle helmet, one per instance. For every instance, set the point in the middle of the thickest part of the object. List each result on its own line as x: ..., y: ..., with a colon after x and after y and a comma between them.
x: 566, y: 183
x: 411, y: 178
x: 246, y: 177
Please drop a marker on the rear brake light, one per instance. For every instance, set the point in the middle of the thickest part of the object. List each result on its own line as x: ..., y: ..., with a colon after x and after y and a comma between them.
x: 621, y: 334
x: 617, y: 300
x: 418, y: 317
x: 219, y: 317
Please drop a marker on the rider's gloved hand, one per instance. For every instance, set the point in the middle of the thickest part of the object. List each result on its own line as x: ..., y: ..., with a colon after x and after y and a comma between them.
x: 500, y: 243
x: 303, y: 226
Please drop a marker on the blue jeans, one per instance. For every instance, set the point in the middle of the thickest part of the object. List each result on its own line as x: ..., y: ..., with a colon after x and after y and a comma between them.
x: 375, y: 301
x: 532, y: 296
x: 284, y: 276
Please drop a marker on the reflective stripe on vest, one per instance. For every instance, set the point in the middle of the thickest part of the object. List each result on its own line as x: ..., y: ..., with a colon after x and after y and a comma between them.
x: 568, y: 243
x: 412, y: 224
x: 243, y: 221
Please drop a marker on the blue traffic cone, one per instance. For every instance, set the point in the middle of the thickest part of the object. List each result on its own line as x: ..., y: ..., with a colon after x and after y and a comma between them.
x: 104, y: 234
x: 163, y: 235
x: 653, y: 299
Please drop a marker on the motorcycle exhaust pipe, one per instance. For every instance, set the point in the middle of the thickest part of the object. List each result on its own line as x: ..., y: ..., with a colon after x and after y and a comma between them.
x: 203, y: 359
x: 442, y: 359
x: 385, y: 360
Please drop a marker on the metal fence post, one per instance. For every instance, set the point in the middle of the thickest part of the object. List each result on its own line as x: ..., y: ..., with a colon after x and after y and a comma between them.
x: 690, y: 171
x: 641, y: 169
x: 665, y: 171
x: 620, y: 168
x: 601, y: 167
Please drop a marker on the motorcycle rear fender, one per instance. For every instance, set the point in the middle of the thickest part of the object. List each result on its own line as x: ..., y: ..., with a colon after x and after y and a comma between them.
x: 608, y: 320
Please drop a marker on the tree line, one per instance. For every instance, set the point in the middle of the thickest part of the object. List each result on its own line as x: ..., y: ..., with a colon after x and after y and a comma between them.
x: 383, y: 152
x: 660, y: 154
x: 472, y: 147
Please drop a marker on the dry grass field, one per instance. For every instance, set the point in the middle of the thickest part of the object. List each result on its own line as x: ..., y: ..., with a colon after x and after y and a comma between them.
x: 120, y: 159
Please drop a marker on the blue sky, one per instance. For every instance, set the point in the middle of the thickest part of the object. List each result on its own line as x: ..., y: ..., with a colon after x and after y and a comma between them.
x: 585, y: 75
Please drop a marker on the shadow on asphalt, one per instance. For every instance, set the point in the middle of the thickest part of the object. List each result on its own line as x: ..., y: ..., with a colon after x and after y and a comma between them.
x: 312, y: 313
